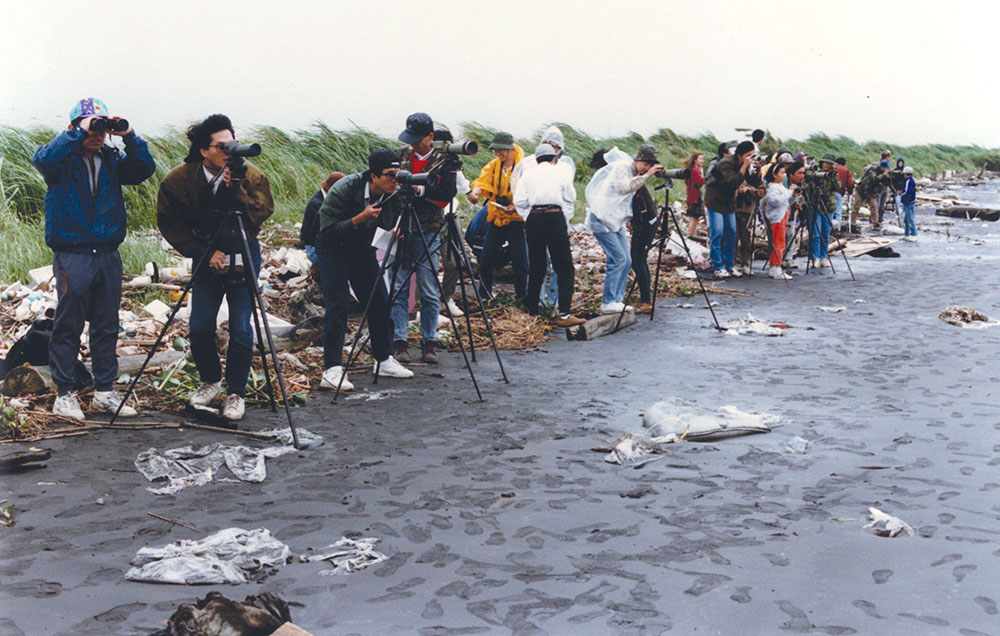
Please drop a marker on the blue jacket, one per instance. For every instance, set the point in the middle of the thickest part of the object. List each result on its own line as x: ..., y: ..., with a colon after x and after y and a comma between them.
x: 909, y: 192
x: 75, y: 219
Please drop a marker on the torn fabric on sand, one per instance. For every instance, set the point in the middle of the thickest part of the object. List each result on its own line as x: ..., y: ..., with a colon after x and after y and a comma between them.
x: 886, y: 525
x: 348, y: 555
x: 233, y: 555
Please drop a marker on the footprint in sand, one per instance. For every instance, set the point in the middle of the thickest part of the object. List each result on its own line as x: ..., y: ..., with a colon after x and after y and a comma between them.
x: 881, y: 576
x: 962, y: 571
x: 948, y: 558
x: 741, y: 595
x: 989, y: 605
x: 867, y: 608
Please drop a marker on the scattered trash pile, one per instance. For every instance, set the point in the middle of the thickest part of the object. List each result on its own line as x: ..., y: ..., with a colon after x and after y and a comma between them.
x: 966, y: 317
x: 236, y: 556
x: 886, y: 525
x: 751, y: 326
x: 216, y: 615
x: 674, y: 420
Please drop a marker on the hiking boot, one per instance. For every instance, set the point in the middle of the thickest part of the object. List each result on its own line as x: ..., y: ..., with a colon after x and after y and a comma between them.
x: 233, y: 408
x: 331, y: 379
x: 568, y: 320
x: 68, y: 406
x: 401, y: 351
x: 427, y: 352
x: 390, y: 368
x: 204, y: 394
x: 108, y: 401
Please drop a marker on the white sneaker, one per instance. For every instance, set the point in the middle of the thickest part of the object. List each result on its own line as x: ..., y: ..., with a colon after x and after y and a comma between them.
x: 823, y: 263
x: 911, y: 238
x: 736, y: 272
x: 331, y: 378
x: 204, y: 394
x: 790, y: 264
x: 747, y: 270
x: 612, y: 308
x: 389, y: 368
x: 108, y: 401
x: 234, y: 408
x: 68, y: 406
x: 777, y: 273
x: 453, y: 309
x: 721, y: 273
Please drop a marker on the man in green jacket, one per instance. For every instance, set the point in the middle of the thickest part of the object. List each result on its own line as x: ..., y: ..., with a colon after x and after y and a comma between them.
x: 352, y: 210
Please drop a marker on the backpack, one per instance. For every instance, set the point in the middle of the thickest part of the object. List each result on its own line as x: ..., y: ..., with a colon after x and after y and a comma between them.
x: 33, y: 349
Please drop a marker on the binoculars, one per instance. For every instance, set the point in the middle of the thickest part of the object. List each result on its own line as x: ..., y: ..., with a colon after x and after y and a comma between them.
x: 102, y: 124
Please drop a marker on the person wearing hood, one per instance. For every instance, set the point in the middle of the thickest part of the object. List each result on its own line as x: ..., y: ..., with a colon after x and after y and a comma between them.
x: 542, y: 198
x: 908, y: 195
x: 504, y: 223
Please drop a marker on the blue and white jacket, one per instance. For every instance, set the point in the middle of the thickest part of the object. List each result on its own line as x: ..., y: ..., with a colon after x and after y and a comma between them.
x: 77, y: 220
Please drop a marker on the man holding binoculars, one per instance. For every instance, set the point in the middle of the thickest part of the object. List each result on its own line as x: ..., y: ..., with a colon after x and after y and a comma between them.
x: 84, y: 225
x: 193, y: 212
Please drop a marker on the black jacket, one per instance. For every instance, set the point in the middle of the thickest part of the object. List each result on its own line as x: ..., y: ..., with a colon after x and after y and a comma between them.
x: 310, y: 220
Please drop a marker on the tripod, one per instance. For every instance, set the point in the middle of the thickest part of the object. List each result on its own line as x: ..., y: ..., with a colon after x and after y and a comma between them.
x: 664, y: 236
x: 232, y: 222
x: 407, y: 225
x: 818, y: 207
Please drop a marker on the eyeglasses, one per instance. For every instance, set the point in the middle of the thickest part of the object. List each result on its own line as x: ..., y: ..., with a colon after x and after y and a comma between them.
x: 219, y: 146
x: 391, y: 174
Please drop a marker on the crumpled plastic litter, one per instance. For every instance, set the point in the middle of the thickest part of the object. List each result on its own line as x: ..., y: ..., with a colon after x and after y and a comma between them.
x: 634, y: 451
x: 232, y: 555
x: 306, y: 439
x: 966, y: 317
x: 348, y: 556
x: 683, y: 420
x: 751, y: 326
x: 890, y: 526
x: 189, y: 466
x: 831, y: 310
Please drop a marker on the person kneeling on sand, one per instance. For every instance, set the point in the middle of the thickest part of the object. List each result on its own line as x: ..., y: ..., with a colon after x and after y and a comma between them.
x: 542, y: 197
x: 348, y: 217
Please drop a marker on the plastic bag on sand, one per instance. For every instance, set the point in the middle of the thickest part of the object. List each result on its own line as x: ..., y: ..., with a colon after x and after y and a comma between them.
x: 891, y: 526
x: 306, y: 439
x: 751, y: 326
x: 348, y: 555
x: 189, y: 466
x: 966, y: 317
x: 681, y: 419
x: 228, y: 556
x: 634, y: 451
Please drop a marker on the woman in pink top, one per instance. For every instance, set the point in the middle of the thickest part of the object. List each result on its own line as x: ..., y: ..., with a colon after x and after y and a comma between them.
x: 695, y: 206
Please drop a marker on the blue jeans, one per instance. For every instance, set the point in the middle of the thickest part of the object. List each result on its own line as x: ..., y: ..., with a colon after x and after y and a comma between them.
x: 550, y: 286
x: 839, y: 209
x: 820, y: 236
x: 722, y: 238
x: 414, y: 258
x: 616, y: 248
x: 909, y: 222
x: 206, y: 298
x: 312, y: 254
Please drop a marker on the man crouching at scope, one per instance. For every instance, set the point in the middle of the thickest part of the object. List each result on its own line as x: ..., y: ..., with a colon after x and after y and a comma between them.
x: 193, y: 213
x: 351, y: 211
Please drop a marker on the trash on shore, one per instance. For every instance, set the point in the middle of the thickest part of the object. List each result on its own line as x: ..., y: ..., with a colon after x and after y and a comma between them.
x: 216, y: 615
x: 966, y: 317
x: 831, y: 310
x: 232, y: 555
x: 307, y: 439
x: 348, y: 556
x: 684, y: 420
x: 188, y: 466
x: 751, y: 326
x: 635, y: 450
x: 797, y: 446
x: 890, y: 526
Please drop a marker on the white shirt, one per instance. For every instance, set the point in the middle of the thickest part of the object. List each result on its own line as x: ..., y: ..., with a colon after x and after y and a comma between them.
x: 546, y: 184
x: 92, y: 181
x: 209, y: 176
x: 529, y: 162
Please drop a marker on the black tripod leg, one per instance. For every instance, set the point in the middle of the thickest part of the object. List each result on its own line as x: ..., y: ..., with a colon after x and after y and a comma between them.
x: 248, y: 264
x: 628, y: 297
x: 482, y: 308
x: 659, y: 258
x: 263, y: 353
x: 453, y: 235
x: 840, y: 246
x: 696, y: 274
x: 163, y: 332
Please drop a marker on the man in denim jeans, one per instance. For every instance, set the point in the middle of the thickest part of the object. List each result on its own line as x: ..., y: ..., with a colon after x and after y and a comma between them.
x: 416, y: 255
x: 720, y: 195
x: 191, y: 212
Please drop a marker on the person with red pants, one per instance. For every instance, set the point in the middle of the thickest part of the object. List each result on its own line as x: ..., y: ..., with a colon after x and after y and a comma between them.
x: 774, y: 206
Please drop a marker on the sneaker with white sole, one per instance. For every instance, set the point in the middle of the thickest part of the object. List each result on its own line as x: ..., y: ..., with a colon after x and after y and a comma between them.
x: 331, y: 378
x: 721, y: 273
x: 108, y: 401
x: 68, y: 406
x: 234, y: 407
x: 777, y: 273
x: 204, y: 394
x: 736, y: 272
x: 453, y: 309
x: 612, y: 308
x: 389, y: 368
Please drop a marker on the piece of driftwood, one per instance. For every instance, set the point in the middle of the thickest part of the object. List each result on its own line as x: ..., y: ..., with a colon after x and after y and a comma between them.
x: 969, y: 213
x: 864, y: 245
x: 27, y: 380
x: 600, y: 326
x: 24, y: 460
x: 289, y: 629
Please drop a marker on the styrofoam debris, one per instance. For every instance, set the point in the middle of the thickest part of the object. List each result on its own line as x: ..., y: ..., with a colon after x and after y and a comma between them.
x: 890, y: 526
x: 348, y: 556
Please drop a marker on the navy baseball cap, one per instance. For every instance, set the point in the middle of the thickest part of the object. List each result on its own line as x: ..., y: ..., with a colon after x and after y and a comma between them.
x: 418, y: 126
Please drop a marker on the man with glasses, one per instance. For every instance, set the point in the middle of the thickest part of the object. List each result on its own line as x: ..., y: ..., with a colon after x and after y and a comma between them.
x: 191, y: 212
x: 353, y: 208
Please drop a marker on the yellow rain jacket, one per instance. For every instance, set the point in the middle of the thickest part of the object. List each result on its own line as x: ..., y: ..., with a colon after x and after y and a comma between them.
x: 493, y: 182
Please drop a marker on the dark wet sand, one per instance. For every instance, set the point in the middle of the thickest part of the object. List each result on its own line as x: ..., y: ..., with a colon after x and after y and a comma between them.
x: 499, y: 518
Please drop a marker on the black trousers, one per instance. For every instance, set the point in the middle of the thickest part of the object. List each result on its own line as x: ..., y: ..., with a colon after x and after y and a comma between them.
x: 642, y: 236
x: 90, y: 289
x: 353, y: 261
x: 490, y: 259
x: 547, y: 231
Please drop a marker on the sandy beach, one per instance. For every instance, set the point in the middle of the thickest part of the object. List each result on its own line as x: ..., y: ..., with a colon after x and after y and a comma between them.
x: 500, y: 517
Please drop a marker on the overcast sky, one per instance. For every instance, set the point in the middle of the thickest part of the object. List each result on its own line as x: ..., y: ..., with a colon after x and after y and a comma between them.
x: 903, y: 72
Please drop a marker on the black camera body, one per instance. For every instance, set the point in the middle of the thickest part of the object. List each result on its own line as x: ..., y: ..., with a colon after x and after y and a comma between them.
x: 407, y: 178
x: 102, y: 124
x: 502, y: 200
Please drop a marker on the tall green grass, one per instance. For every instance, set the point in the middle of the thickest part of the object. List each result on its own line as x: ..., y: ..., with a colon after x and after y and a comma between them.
x: 297, y: 162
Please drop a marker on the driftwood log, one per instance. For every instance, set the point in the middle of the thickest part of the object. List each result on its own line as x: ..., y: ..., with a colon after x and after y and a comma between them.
x: 25, y: 460
x: 26, y: 379
x: 600, y: 326
x: 874, y: 245
x: 969, y: 212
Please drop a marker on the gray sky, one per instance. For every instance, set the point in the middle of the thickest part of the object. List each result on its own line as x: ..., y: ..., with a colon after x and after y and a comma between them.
x: 904, y: 72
